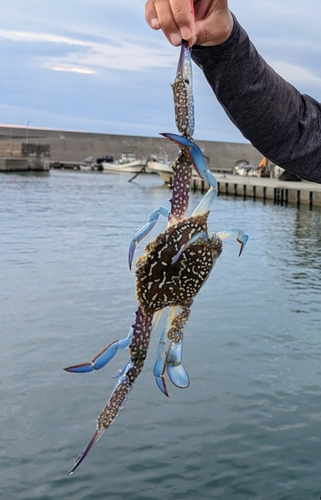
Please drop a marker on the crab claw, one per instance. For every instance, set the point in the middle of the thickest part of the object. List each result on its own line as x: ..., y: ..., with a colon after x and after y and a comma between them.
x: 241, y: 237
x: 175, y: 370
x: 144, y: 231
x: 195, y: 155
x: 82, y: 456
x: 161, y: 384
x: 103, y: 357
x: 170, y: 361
x: 159, y: 371
x: 242, y: 241
x: 178, y: 376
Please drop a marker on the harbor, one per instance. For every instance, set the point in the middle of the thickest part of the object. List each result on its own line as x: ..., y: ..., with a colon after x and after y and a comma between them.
x: 42, y: 149
x: 176, y: 276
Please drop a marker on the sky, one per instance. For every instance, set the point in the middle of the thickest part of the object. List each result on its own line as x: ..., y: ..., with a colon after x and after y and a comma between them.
x: 96, y: 66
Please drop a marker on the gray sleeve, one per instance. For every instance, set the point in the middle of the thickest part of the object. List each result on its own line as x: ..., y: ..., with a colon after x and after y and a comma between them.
x: 284, y: 125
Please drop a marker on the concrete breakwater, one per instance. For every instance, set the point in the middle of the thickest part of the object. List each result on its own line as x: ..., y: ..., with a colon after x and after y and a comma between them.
x: 19, y: 156
x: 74, y: 147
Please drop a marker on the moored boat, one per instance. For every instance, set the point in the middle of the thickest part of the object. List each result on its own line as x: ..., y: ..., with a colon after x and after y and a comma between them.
x: 87, y: 164
x: 161, y: 167
x: 128, y: 163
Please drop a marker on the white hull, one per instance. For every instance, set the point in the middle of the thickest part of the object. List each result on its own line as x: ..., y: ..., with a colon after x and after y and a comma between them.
x: 164, y: 170
x: 132, y: 167
x: 86, y: 167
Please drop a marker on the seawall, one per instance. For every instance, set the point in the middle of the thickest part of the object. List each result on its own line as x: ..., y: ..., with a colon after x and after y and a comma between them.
x: 69, y: 146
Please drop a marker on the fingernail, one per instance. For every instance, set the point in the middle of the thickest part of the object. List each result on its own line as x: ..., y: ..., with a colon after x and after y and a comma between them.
x: 186, y: 33
x: 175, y: 39
x: 154, y: 23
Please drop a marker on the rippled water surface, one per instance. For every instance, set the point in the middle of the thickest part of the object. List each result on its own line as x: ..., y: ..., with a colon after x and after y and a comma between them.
x: 248, y: 427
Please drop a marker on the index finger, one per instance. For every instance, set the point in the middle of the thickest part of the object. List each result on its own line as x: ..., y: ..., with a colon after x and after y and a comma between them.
x: 183, y: 13
x: 175, y: 18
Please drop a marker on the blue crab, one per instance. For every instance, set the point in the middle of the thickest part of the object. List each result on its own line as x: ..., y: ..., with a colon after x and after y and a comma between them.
x: 172, y: 270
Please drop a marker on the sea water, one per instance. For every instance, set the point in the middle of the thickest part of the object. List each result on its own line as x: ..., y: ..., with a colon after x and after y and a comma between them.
x: 249, y: 425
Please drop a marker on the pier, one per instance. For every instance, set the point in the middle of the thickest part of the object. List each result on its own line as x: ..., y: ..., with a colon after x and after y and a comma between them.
x: 282, y: 192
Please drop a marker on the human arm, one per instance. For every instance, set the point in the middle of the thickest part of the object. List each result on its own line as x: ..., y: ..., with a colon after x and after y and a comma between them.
x: 284, y: 125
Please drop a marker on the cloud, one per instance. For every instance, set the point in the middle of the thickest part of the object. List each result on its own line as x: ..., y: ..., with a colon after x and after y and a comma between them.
x: 27, y: 36
x: 89, y: 57
x: 127, y: 56
x: 63, y: 64
x: 71, y: 69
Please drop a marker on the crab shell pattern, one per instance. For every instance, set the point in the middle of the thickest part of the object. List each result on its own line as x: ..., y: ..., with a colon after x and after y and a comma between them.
x: 160, y: 282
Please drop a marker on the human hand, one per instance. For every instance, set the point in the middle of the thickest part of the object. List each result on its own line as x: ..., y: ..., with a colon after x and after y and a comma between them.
x: 205, y: 22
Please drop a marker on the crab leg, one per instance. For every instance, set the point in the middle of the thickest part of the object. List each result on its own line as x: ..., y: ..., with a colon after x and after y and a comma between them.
x: 170, y: 350
x: 184, y: 114
x: 206, y: 202
x: 190, y: 242
x: 175, y: 370
x: 115, y: 402
x: 160, y: 363
x: 144, y: 231
x: 171, y: 361
x: 183, y: 93
x: 241, y: 237
x: 195, y: 155
x: 103, y: 357
x: 138, y: 350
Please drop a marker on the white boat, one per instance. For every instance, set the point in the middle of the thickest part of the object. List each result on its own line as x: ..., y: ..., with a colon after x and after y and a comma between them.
x: 245, y: 168
x: 162, y: 167
x: 128, y: 163
x: 87, y: 164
